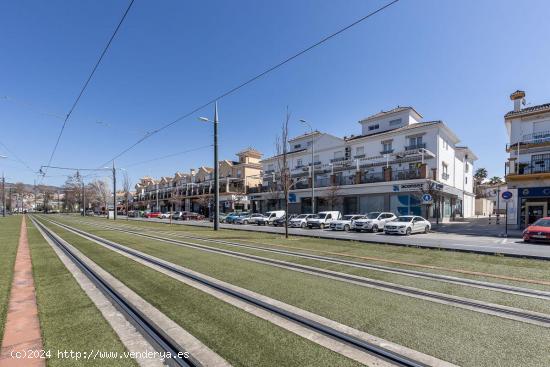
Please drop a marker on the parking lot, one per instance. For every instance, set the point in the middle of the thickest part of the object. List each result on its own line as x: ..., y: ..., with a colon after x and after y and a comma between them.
x: 442, y: 237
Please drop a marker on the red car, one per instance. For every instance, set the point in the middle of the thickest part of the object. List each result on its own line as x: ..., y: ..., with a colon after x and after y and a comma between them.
x: 153, y: 215
x: 538, y: 231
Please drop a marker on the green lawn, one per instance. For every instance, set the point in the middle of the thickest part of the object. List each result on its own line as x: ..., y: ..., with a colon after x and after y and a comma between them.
x: 239, y: 337
x: 492, y: 264
x: 69, y: 320
x: 463, y: 337
x: 9, y: 239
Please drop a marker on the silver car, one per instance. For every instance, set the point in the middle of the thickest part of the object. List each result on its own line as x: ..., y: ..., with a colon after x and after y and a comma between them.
x: 374, y: 221
x: 346, y: 223
x: 408, y: 224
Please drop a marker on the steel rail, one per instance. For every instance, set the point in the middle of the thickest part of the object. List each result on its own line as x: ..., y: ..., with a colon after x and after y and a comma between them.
x: 415, y: 292
x: 148, y: 329
x: 388, y: 269
x: 371, y: 348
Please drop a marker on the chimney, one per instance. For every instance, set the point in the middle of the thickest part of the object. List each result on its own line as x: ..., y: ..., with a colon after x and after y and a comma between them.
x: 517, y: 97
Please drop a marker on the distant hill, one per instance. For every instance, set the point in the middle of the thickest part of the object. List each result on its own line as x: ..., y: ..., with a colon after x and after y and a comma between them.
x: 30, y: 187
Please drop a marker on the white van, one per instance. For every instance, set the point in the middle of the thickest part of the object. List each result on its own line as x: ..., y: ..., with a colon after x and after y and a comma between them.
x: 269, y: 217
x: 323, y: 219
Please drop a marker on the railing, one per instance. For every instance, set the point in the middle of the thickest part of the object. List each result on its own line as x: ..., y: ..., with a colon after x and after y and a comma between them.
x: 372, y: 177
x: 408, y: 174
x: 386, y: 151
x: 416, y: 146
x: 527, y: 170
x: 337, y: 159
x: 535, y: 138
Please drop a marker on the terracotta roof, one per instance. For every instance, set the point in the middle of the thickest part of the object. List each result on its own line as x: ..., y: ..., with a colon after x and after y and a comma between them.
x: 384, y: 113
x: 539, y: 108
x: 404, y: 128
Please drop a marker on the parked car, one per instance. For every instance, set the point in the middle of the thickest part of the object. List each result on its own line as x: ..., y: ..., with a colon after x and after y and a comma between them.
x: 300, y: 221
x: 153, y: 215
x: 280, y: 222
x: 249, y: 219
x: 373, y: 222
x: 177, y: 216
x: 233, y: 216
x: 323, y: 219
x: 90, y: 212
x: 346, y: 223
x: 132, y: 214
x: 164, y: 216
x: 538, y: 231
x: 221, y: 218
x: 407, y: 224
x: 270, y: 216
x: 191, y: 216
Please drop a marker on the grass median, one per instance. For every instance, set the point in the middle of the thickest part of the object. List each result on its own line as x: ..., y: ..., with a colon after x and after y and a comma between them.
x: 463, y: 337
x: 69, y: 320
x: 9, y: 239
x: 241, y: 338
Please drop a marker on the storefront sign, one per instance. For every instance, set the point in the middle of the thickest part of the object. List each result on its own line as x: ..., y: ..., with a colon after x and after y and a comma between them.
x: 291, y: 197
x: 408, y: 187
x: 239, y: 198
x: 533, y: 191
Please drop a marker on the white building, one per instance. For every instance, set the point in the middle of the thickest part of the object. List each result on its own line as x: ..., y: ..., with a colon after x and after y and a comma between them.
x: 528, y: 167
x: 395, y: 160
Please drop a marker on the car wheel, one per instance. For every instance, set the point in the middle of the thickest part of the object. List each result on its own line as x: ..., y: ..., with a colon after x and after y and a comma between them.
x: 374, y: 228
x: 408, y: 232
x: 427, y: 229
x: 322, y: 226
x: 346, y: 228
x: 245, y: 222
x: 303, y: 225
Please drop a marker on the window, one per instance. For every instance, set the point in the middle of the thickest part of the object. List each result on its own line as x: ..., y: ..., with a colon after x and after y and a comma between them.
x: 445, y: 171
x: 297, y: 146
x: 238, y: 173
x: 395, y: 122
x: 271, y: 167
x: 467, y: 167
x: 445, y: 145
x: 466, y: 180
x: 374, y: 127
x: 309, y: 143
x: 338, y: 154
x: 415, y: 141
x: 299, y: 163
x: 360, y: 151
x: 387, y: 146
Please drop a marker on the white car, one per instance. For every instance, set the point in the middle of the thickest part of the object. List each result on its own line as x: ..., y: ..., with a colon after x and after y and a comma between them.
x: 346, y: 223
x: 164, y: 216
x: 269, y: 217
x: 323, y: 219
x: 408, y: 224
x: 373, y: 221
x: 249, y: 219
x: 300, y: 221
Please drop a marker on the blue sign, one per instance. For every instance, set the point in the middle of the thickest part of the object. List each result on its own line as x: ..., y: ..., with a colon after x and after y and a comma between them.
x: 506, y: 195
x: 427, y: 198
x: 534, y: 191
x: 395, y: 188
x: 291, y: 197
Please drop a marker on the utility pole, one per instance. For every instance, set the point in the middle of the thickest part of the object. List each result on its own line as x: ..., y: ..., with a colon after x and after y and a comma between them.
x: 216, y: 172
x: 3, y: 195
x: 114, y: 191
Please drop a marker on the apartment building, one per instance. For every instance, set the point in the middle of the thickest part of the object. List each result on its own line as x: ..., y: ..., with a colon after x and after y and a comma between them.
x: 528, y: 166
x: 193, y: 191
x: 395, y: 160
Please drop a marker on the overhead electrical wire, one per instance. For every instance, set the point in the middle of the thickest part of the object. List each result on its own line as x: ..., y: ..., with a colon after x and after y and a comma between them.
x: 87, y: 82
x: 254, y: 78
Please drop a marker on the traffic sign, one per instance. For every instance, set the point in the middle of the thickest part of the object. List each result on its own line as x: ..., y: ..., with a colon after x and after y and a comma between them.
x: 506, y: 195
x: 427, y: 199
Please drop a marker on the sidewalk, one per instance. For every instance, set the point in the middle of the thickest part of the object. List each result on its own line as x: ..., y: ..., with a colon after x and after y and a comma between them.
x: 478, y: 227
x: 22, y: 332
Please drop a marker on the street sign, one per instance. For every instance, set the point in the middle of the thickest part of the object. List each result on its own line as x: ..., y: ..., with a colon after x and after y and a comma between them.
x: 427, y: 199
x: 292, y: 197
x: 506, y: 195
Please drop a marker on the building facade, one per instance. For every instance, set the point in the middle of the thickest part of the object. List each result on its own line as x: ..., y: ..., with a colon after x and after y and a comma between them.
x: 391, y: 166
x: 528, y: 166
x: 193, y: 191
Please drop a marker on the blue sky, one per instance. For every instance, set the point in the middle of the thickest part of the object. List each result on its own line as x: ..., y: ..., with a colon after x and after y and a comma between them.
x: 455, y: 61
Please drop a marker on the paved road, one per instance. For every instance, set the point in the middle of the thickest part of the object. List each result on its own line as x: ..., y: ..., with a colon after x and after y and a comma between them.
x: 452, y: 241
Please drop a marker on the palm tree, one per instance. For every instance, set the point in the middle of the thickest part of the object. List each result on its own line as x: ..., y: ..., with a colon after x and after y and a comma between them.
x: 479, y: 176
x: 495, y: 180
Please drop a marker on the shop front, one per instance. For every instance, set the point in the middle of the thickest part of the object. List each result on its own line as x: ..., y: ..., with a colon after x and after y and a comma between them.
x: 534, y: 203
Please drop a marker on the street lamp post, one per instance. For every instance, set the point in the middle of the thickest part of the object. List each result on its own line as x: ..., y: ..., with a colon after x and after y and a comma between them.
x: 216, y: 172
x: 3, y: 190
x: 312, y: 165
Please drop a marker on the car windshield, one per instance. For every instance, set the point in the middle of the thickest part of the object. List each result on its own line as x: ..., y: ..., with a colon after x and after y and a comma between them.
x: 321, y: 216
x: 373, y: 215
x: 301, y: 216
x: 542, y: 223
x: 403, y: 219
x: 348, y: 217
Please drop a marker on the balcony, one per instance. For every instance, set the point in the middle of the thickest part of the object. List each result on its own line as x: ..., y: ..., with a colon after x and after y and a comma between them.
x: 340, y: 159
x: 530, y: 140
x: 416, y: 146
x: 408, y: 174
x: 372, y: 177
x: 445, y: 176
x: 386, y: 151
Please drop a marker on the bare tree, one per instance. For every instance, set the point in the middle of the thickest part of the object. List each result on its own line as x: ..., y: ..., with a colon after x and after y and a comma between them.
x: 332, y: 193
x: 281, y: 143
x: 126, y: 185
x: 101, y: 192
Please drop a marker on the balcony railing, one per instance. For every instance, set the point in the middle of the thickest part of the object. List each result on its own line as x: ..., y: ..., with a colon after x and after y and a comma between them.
x: 416, y: 146
x: 445, y: 176
x: 340, y: 159
x: 408, y: 174
x: 386, y: 151
x: 372, y: 177
x: 532, y: 169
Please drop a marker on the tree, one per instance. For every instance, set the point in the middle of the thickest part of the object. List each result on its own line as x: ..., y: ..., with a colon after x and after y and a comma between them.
x: 281, y: 143
x: 100, y: 193
x: 495, y: 180
x: 479, y: 176
x: 332, y: 193
x: 126, y: 188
